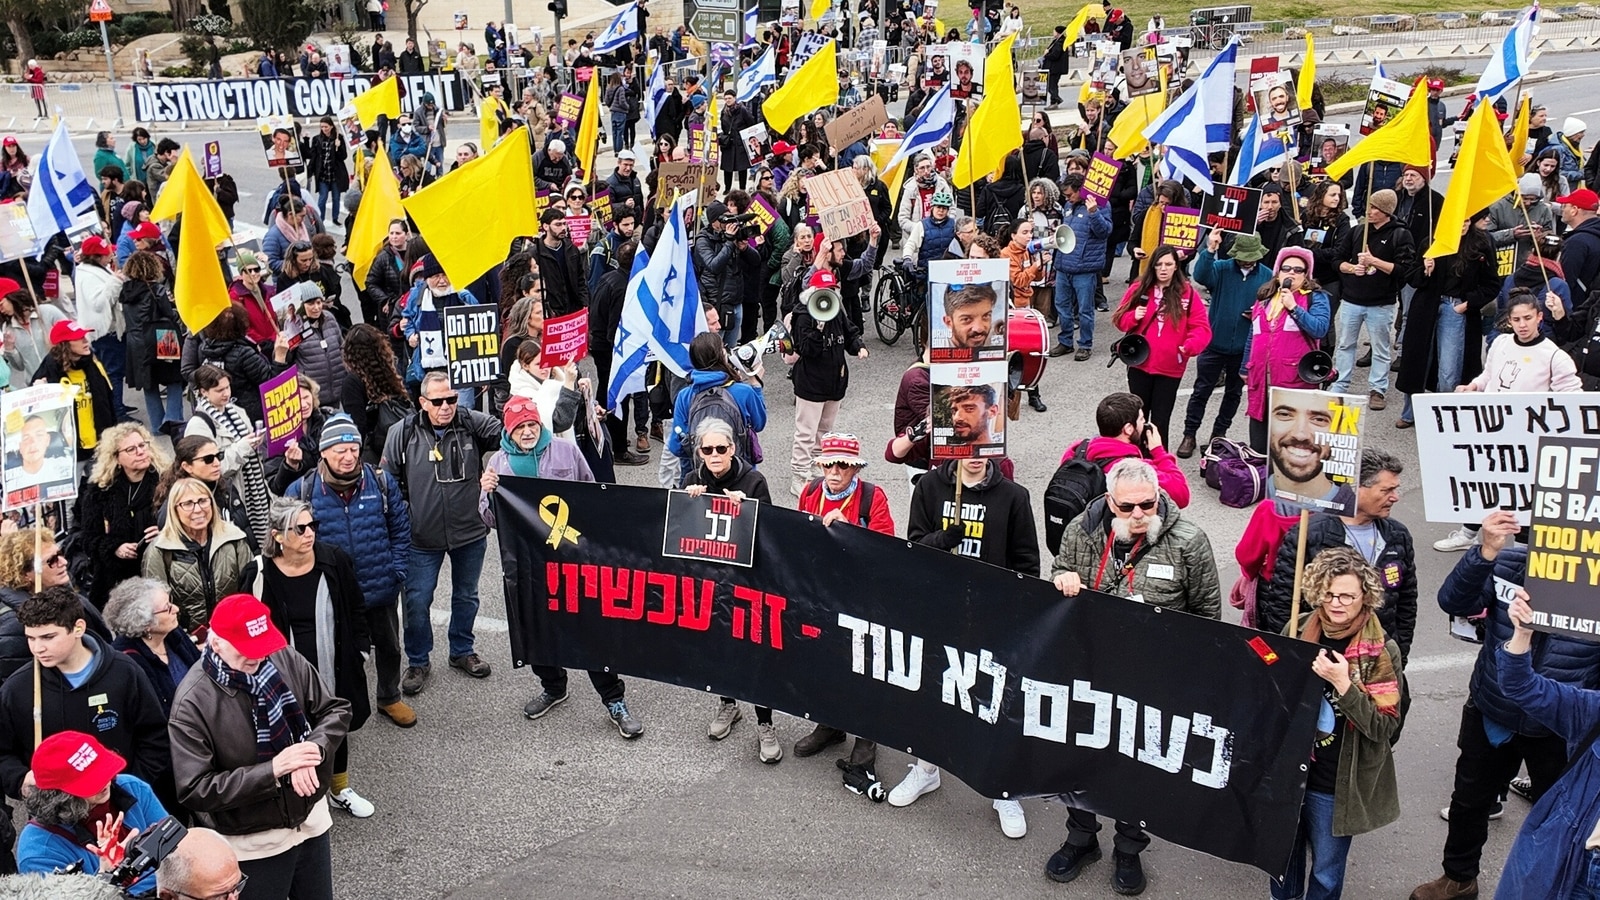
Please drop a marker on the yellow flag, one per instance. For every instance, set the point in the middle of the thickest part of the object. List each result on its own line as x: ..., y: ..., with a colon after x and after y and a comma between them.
x: 1127, y: 132
x: 382, y: 99
x: 1404, y: 139
x: 1484, y: 173
x: 818, y: 7
x: 380, y: 205
x: 1075, y: 27
x: 199, y: 290
x: 450, y: 212
x: 589, y: 129
x: 1519, y: 131
x: 882, y: 152
x: 1308, y: 73
x: 813, y: 86
x: 995, y: 128
x: 176, y: 197
x: 489, y: 122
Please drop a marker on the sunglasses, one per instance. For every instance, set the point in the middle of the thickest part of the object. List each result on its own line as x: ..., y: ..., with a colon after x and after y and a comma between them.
x: 301, y: 529
x: 838, y: 464
x: 1146, y: 505
x: 252, y: 270
x: 54, y: 559
x: 714, y: 449
x: 208, y: 458
x: 441, y: 401
x: 1292, y: 270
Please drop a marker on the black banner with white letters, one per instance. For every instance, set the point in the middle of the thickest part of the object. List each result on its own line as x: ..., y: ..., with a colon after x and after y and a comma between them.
x: 228, y: 99
x: 1196, y: 729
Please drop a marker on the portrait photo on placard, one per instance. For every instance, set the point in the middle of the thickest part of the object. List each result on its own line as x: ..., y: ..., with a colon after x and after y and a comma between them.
x: 41, y: 453
x: 1329, y: 141
x: 1139, y: 71
x: 1276, y: 103
x: 969, y: 415
x: 1314, y: 449
x: 967, y: 302
x: 280, y: 140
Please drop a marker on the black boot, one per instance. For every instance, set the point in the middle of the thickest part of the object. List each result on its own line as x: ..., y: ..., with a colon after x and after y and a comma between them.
x: 1036, y: 401
x: 1067, y: 863
x: 1128, y: 880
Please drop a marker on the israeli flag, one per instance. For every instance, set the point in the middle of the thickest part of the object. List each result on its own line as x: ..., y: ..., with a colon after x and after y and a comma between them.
x: 935, y: 123
x: 623, y: 30
x: 62, y: 199
x: 1200, y: 122
x: 751, y: 28
x: 655, y: 95
x: 1507, y: 68
x: 661, y: 314
x: 1260, y: 152
x: 763, y: 71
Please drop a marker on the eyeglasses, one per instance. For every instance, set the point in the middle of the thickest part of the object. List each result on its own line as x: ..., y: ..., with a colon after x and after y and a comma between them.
x: 194, y: 503
x: 1341, y: 599
x: 228, y: 894
x: 441, y: 401
x: 304, y: 527
x: 1146, y: 505
x: 54, y: 558
x: 135, y: 448
x: 714, y: 449
x: 251, y: 270
x: 208, y: 459
x: 1292, y: 270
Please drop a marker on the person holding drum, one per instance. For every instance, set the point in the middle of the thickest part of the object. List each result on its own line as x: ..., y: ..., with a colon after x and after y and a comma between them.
x: 1027, y: 267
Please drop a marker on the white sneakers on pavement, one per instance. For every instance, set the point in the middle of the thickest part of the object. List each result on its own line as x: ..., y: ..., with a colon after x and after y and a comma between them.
x: 353, y: 803
x: 1013, y: 822
x: 1457, y: 541
x: 917, y: 782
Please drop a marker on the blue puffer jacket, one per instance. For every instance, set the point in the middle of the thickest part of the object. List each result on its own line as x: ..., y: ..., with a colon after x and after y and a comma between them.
x: 1233, y: 296
x: 1469, y: 591
x: 42, y: 850
x: 374, y: 528
x: 1092, y: 229
x: 936, y: 236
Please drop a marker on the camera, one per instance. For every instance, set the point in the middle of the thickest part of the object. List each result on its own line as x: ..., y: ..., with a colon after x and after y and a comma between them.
x: 746, y: 229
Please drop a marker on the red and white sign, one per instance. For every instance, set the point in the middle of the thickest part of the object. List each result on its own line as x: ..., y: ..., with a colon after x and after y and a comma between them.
x: 100, y: 11
x: 566, y: 339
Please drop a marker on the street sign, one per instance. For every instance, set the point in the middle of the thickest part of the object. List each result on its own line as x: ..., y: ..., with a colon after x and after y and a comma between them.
x: 100, y: 11
x: 712, y: 20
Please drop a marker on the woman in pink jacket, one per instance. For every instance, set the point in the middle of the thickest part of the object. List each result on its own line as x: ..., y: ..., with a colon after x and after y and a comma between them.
x: 1166, y: 309
x: 1290, y: 317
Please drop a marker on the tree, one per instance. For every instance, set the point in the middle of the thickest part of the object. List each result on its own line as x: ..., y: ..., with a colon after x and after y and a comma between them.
x: 276, y: 24
x: 413, y: 12
x: 22, y: 16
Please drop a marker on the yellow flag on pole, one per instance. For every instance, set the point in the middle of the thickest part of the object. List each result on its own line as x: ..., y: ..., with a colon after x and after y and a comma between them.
x: 1308, y: 73
x: 1127, y: 132
x: 1405, y: 139
x: 382, y: 99
x: 589, y: 129
x: 175, y: 197
x: 995, y: 128
x: 813, y: 86
x: 1075, y: 27
x: 199, y: 290
x: 380, y: 205
x: 818, y: 7
x: 1484, y: 173
x: 466, y: 238
x: 1519, y: 130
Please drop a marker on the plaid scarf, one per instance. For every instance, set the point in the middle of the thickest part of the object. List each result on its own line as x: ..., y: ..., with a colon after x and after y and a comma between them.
x: 1371, y: 669
x: 279, y: 720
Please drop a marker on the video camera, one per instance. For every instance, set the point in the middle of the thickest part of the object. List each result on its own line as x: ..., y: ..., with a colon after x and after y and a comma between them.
x: 144, y: 855
x: 747, y: 228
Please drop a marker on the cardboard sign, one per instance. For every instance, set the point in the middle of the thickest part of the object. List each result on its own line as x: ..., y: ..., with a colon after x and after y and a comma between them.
x: 565, y: 339
x: 211, y: 160
x: 40, y: 444
x: 854, y: 124
x: 675, y: 178
x: 701, y: 145
x: 1102, y: 174
x: 842, y: 207
x: 1180, y: 227
x: 285, y: 417
x: 712, y: 528
x: 1564, y: 553
x: 472, y: 343
x: 1232, y: 209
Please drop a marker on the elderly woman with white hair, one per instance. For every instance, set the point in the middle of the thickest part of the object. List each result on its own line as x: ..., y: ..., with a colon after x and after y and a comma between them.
x: 141, y: 614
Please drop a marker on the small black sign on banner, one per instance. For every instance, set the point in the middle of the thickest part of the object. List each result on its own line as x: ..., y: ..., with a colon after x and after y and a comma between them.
x: 711, y: 527
x: 1564, y: 557
x: 1231, y: 208
x: 472, y: 344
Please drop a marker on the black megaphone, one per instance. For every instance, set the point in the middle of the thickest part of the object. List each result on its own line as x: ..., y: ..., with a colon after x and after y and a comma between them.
x: 1316, y: 367
x: 1132, y: 349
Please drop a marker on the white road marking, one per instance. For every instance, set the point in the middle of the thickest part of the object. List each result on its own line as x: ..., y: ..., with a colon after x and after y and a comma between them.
x: 1440, y: 662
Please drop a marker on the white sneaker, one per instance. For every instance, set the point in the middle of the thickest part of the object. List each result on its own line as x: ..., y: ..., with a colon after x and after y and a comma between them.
x: 1456, y: 541
x: 353, y: 803
x: 1013, y: 822
x: 917, y: 783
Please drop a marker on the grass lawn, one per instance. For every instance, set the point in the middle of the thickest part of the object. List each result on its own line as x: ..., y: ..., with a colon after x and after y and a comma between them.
x: 1045, y: 16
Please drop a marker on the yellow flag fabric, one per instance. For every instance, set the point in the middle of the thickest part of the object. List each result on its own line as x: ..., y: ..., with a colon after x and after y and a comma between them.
x: 199, y: 290
x: 382, y: 99
x: 1484, y: 173
x: 589, y: 129
x: 1308, y: 73
x: 1405, y: 139
x: 1075, y: 27
x: 1127, y: 132
x: 380, y: 205
x: 489, y: 122
x: 176, y: 197
x: 818, y: 7
x: 882, y: 152
x: 813, y: 86
x: 995, y: 128
x: 465, y: 236
x: 1519, y: 131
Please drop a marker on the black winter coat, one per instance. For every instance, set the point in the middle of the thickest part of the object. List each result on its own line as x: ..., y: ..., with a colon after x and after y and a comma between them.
x: 327, y: 163
x: 721, y: 266
x: 247, y: 370
x: 14, y: 652
x: 821, y: 373
x: 1478, y: 283
x: 551, y: 174
x: 387, y: 285
x: 566, y: 284
x: 109, y: 517
x: 741, y: 476
x: 350, y: 636
x: 147, y: 306
x: 735, y: 154
x: 178, y: 645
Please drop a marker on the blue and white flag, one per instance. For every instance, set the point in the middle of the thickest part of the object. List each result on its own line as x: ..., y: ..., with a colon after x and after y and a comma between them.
x: 655, y: 95
x: 62, y: 198
x: 763, y: 71
x: 1200, y: 121
x: 661, y: 314
x: 1506, y: 69
x: 933, y: 125
x: 751, y: 27
x: 1260, y: 151
x: 623, y: 30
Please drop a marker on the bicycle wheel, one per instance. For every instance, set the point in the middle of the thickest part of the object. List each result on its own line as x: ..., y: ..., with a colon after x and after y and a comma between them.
x: 1219, y: 38
x: 919, y: 330
x: 886, y: 304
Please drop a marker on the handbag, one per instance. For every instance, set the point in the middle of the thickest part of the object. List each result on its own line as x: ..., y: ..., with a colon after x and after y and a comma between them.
x: 1242, y: 482
x: 1220, y: 449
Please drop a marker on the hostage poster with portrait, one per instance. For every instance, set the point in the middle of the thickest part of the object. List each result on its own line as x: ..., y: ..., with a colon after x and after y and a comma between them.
x: 280, y: 140
x: 967, y: 302
x: 1276, y: 103
x: 40, y: 443
x: 1314, y: 449
x: 969, y: 417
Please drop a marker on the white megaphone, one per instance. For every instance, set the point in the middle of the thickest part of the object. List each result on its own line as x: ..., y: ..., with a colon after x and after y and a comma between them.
x: 823, y: 304
x: 746, y: 357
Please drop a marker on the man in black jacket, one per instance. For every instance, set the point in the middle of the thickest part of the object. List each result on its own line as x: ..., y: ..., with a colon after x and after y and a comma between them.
x: 566, y: 290
x: 604, y: 317
x: 1056, y: 63
x: 411, y: 61
x: 1382, y: 540
x: 626, y: 190
x: 1379, y: 258
x: 721, y: 260
x: 552, y: 168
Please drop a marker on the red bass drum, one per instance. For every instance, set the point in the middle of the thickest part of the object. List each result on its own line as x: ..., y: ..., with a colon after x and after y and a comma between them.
x: 1028, y: 343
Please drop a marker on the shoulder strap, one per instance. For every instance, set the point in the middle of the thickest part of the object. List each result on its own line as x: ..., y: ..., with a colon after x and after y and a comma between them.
x: 809, y: 493
x: 868, y: 497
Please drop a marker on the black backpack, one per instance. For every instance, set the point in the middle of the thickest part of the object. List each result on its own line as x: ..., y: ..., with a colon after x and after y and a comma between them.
x: 718, y: 403
x: 1076, y: 483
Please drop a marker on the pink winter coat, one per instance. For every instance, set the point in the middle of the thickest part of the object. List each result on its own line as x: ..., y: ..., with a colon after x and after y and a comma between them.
x: 1172, y: 344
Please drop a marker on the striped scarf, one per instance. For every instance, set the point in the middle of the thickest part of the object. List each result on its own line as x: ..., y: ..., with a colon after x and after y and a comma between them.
x: 279, y: 720
x: 1371, y: 669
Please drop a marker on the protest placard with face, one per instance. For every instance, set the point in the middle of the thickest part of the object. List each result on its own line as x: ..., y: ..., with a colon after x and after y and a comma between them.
x: 1314, y: 449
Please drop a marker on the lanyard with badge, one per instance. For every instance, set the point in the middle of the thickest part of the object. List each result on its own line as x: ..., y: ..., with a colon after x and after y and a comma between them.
x: 1127, y: 565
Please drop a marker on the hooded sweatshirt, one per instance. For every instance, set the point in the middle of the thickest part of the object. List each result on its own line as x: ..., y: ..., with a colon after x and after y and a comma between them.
x: 1106, y: 451
x: 996, y: 522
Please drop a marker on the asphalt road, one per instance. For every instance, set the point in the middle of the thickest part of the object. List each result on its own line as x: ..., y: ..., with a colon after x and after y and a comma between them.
x: 476, y: 801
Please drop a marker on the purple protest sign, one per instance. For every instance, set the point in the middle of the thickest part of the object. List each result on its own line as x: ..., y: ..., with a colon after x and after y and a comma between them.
x: 280, y: 403
x: 1101, y: 176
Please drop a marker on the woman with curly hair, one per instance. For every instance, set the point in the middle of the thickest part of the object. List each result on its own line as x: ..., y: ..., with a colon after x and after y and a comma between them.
x: 141, y: 614
x: 20, y: 564
x: 373, y: 395
x: 1350, y: 781
x: 117, y: 515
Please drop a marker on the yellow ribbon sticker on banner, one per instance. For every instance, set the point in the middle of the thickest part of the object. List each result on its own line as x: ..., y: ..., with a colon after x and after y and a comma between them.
x: 553, y: 512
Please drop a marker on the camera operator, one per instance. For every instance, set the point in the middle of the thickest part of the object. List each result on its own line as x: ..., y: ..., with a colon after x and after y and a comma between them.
x: 1124, y: 433
x: 721, y: 258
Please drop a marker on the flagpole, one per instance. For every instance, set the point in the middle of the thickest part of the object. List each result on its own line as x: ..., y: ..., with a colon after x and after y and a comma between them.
x: 1523, y: 206
x: 1290, y: 164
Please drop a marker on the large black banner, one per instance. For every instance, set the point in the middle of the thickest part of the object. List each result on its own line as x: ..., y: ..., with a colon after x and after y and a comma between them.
x: 303, y: 98
x: 1197, y: 729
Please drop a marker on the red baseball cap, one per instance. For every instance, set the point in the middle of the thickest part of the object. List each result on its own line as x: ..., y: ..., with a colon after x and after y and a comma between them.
x: 9, y: 286
x: 145, y: 231
x: 67, y: 330
x: 245, y: 622
x: 823, y: 279
x: 1582, y: 198
x: 76, y: 763
x: 1435, y: 84
x: 95, y: 245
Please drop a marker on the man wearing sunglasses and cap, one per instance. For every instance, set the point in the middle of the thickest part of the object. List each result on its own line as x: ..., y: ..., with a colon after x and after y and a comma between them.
x: 1134, y: 543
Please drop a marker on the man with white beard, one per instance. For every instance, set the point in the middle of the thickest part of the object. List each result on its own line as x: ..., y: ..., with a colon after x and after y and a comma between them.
x: 1134, y: 543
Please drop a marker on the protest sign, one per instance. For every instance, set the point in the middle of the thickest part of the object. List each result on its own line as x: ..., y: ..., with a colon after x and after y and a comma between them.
x: 757, y: 142
x: 245, y: 99
x: 805, y: 48
x: 565, y: 339
x: 1479, y: 448
x: 1139, y: 72
x: 579, y: 229
x: 569, y: 108
x: 285, y: 417
x: 1276, y: 103
x: 17, y: 238
x: 969, y: 418
x: 1102, y: 174
x: 1180, y: 227
x: 701, y: 145
x: 842, y: 207
x: 1329, y: 141
x: 600, y: 206
x: 40, y: 444
x: 1564, y: 554
x: 1314, y: 449
x: 967, y: 302
x: 1232, y: 209
x: 676, y: 178
x: 766, y: 215
x: 280, y: 140
x: 211, y: 160
x: 472, y: 344
x: 1261, y: 68
x: 1385, y: 98
x: 854, y: 124
x: 710, y: 528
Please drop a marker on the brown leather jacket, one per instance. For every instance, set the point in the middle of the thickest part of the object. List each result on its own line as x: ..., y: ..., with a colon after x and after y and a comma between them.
x: 214, y: 750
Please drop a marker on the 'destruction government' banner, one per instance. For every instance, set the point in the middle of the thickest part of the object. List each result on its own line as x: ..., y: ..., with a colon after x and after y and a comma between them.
x: 1196, y: 729
x: 303, y: 98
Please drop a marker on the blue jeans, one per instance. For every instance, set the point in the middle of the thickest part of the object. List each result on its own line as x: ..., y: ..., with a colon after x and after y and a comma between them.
x: 618, y: 125
x: 1075, y: 306
x: 1450, y: 336
x: 1213, y: 366
x: 466, y: 564
x: 1588, y: 888
x: 324, y: 209
x: 113, y: 355
x: 174, y: 405
x: 1380, y: 331
x: 1328, y: 855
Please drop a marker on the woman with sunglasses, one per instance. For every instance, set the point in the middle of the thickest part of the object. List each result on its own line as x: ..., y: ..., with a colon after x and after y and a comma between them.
x: 218, y: 417
x: 315, y: 599
x: 198, y: 554
x: 117, y: 516
x: 1167, y: 311
x: 1288, y: 320
x: 198, y: 457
